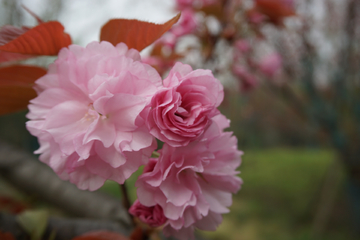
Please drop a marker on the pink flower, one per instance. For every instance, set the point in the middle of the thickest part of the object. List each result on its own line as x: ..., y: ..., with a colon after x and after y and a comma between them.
x: 247, y: 80
x: 193, y: 184
x: 153, y: 216
x: 207, y: 2
x: 187, y: 23
x: 186, y: 4
x: 183, y: 4
x: 271, y: 64
x: 289, y: 3
x: 255, y: 17
x: 182, y: 111
x: 169, y: 39
x: 90, y: 114
x: 242, y: 46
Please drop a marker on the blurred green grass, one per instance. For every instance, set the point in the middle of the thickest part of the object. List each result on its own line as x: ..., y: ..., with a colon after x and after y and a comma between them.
x: 278, y: 199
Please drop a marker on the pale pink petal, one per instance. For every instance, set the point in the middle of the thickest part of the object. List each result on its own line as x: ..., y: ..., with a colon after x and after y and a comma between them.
x: 193, y: 184
x: 90, y: 113
x: 182, y: 111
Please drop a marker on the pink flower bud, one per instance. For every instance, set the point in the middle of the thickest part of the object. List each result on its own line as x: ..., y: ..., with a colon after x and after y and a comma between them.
x: 153, y: 216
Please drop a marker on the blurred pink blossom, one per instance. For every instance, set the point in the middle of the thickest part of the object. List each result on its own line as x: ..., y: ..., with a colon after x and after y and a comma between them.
x: 187, y: 4
x: 169, y: 39
x: 242, y: 45
x: 273, y: 11
x: 255, y: 17
x: 193, y: 184
x: 289, y: 3
x: 153, y: 216
x: 207, y: 2
x: 187, y: 23
x: 271, y: 64
x: 90, y: 114
x: 183, y: 109
x: 183, y: 4
x: 248, y: 81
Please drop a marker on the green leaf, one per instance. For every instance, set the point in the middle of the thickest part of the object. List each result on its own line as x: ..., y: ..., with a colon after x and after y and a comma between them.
x: 155, y: 154
x: 34, y: 222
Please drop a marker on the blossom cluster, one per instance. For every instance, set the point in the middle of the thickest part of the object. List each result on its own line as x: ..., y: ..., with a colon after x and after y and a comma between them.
x: 99, y: 113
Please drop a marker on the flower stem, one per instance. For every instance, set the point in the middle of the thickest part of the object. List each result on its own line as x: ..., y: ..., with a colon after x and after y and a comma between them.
x: 126, y: 202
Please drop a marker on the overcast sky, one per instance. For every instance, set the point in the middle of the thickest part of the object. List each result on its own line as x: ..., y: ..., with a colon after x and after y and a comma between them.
x: 84, y: 18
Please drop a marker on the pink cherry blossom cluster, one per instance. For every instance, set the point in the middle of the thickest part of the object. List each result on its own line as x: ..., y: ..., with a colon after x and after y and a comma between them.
x: 97, y: 116
x: 247, y: 69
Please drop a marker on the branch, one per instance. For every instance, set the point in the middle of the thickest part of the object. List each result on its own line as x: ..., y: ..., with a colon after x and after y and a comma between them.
x: 65, y: 229
x: 28, y: 174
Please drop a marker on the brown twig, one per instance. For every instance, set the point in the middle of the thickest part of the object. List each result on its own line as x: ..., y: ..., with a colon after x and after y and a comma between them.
x: 126, y: 202
x: 27, y: 173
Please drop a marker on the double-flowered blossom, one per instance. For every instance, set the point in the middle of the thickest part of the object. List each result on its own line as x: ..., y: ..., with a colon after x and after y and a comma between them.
x: 183, y: 109
x: 193, y: 184
x: 90, y: 114
x: 96, y: 117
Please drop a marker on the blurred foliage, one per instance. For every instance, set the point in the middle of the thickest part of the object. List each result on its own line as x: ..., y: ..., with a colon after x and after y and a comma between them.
x: 262, y: 120
x: 13, y: 130
x: 280, y: 193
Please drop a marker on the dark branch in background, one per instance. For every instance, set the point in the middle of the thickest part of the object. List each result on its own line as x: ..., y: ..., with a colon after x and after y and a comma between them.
x: 28, y: 174
x: 64, y: 229
x: 126, y: 202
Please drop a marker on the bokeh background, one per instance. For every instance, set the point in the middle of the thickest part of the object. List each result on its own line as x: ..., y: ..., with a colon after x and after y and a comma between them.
x: 299, y: 126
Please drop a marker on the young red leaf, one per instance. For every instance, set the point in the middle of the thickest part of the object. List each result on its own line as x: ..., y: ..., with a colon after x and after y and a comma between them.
x: 134, y: 33
x: 101, y: 235
x: 38, y: 19
x: 6, y: 236
x: 7, y: 34
x: 45, y: 39
x: 215, y: 9
x: 9, y: 57
x: 276, y: 11
x: 137, y: 234
x: 12, y: 205
x: 16, y: 87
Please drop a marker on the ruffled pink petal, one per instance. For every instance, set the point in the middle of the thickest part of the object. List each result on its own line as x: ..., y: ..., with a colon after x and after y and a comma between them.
x: 90, y: 114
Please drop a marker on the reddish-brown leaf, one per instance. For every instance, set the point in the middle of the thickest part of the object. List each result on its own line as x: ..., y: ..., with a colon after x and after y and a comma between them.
x: 38, y: 19
x: 7, y: 34
x: 136, y: 34
x: 12, y: 205
x: 101, y: 235
x: 45, y: 39
x: 10, y: 57
x: 137, y: 234
x: 16, y: 87
x: 216, y: 9
x: 276, y: 11
x: 6, y: 236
